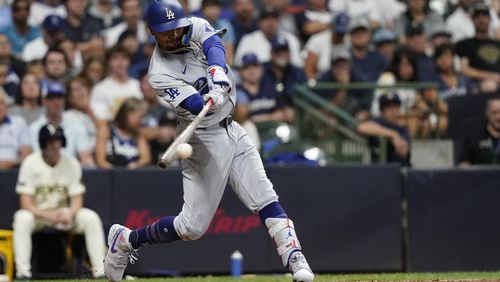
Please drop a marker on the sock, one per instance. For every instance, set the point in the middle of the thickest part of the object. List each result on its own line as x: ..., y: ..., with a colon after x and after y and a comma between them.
x: 273, y: 210
x: 162, y: 231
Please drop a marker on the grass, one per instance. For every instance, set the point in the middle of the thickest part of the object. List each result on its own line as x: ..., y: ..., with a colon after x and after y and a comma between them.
x: 450, y: 276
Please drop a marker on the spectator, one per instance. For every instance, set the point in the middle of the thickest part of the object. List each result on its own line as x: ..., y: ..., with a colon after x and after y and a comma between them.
x: 132, y: 13
x: 138, y: 61
x: 364, y: 9
x: 255, y: 102
x: 36, y: 68
x: 451, y: 83
x: 160, y: 122
x: 52, y: 31
x: 387, y: 125
x: 258, y: 42
x: 78, y: 107
x: 318, y: 57
x: 108, y: 94
x: 340, y: 73
x: 315, y: 18
x: 15, y: 64
x: 460, y: 23
x: 41, y: 9
x: 366, y: 65
x: 385, y: 42
x: 476, y: 60
x: 15, y: 142
x: 82, y: 28
x: 244, y: 21
x: 211, y: 10
x: 483, y: 146
x: 73, y: 54
x: 416, y: 40
x: 30, y: 99
x: 9, y: 81
x: 417, y: 12
x: 287, y: 16
x: 19, y: 32
x: 122, y: 144
x: 56, y: 65
x: 93, y: 70
x: 440, y: 35
x: 51, y: 195
x: 106, y: 12
x: 77, y: 143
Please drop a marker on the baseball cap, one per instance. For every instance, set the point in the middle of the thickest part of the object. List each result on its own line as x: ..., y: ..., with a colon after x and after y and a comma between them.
x: 249, y: 59
x: 341, y: 53
x: 341, y: 23
x: 53, y: 23
x: 52, y: 89
x: 415, y: 28
x: 359, y: 23
x: 383, y: 35
x: 480, y: 8
x: 441, y: 30
x: 389, y: 99
x: 279, y: 43
x: 268, y: 12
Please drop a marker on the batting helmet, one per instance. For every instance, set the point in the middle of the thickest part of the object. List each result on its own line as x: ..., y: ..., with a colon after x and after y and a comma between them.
x: 165, y: 15
x: 49, y: 132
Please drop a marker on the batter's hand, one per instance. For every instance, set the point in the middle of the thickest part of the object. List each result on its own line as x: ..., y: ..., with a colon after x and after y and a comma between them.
x: 217, y: 96
x: 217, y: 78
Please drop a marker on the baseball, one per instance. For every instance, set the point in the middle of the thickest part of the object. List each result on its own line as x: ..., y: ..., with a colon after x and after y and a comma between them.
x: 184, y: 150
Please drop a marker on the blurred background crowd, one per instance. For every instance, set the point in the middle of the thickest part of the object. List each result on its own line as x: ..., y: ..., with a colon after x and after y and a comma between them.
x: 83, y: 64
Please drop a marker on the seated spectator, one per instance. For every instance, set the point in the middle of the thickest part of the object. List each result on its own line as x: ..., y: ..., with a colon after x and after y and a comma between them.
x: 107, y: 95
x: 93, y: 70
x: 9, y: 81
x: 244, y: 20
x: 29, y: 103
x: 477, y: 61
x: 20, y: 32
x: 78, y: 107
x: 132, y: 13
x: 56, y: 65
x: 440, y: 35
x: 483, y: 146
x: 41, y: 9
x: 416, y: 39
x: 451, y: 83
x: 387, y: 125
x: 255, y: 102
x: 36, y: 68
x: 318, y: 57
x: 138, y: 60
x: 121, y: 144
x: 106, y: 11
x: 51, y: 195
x: 52, y: 31
x: 211, y: 10
x: 73, y: 54
x: 461, y: 25
x: 417, y: 12
x: 77, y: 143
x: 259, y: 41
x: 16, y: 65
x: 340, y: 73
x: 365, y: 9
x: 15, y: 142
x: 385, y: 42
x: 287, y: 14
x: 315, y: 18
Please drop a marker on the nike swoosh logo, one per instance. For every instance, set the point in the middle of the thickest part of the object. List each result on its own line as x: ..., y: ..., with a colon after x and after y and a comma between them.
x: 113, y: 250
x: 184, y: 71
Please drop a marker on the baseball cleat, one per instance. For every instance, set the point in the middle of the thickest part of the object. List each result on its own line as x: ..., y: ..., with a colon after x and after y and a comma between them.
x: 120, y: 252
x: 301, y: 272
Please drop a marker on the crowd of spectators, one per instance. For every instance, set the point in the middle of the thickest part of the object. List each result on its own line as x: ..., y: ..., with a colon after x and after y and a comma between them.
x: 82, y: 64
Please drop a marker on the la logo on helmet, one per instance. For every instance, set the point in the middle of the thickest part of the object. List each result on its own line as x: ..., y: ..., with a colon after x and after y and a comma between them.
x: 169, y: 14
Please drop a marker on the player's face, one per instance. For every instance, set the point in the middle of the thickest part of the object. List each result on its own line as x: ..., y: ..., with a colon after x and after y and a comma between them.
x: 493, y: 114
x: 170, y: 40
x: 52, y: 149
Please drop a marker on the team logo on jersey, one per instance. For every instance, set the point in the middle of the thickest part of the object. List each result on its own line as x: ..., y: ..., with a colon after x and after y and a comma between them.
x: 172, y: 93
x: 169, y: 14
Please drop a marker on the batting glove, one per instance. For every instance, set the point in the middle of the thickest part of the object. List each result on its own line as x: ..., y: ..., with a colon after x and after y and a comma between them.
x: 217, y: 77
x: 217, y: 96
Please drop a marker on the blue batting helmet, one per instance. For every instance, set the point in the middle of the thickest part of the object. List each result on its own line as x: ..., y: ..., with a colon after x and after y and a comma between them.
x: 49, y: 132
x: 165, y: 15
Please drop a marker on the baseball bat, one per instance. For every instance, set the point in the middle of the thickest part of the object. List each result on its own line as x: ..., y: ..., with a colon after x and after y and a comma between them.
x: 170, y: 154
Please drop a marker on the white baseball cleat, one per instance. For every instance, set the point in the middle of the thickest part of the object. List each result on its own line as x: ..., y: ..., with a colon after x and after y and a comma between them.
x: 301, y: 272
x: 120, y: 252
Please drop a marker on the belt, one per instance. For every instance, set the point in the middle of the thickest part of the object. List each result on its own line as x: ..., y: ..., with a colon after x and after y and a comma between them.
x: 223, y: 123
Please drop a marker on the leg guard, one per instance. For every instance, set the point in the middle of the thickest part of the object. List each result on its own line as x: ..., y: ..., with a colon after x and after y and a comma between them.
x: 282, y: 232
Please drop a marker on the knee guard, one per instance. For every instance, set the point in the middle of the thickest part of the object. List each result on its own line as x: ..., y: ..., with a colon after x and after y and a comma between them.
x: 283, y: 233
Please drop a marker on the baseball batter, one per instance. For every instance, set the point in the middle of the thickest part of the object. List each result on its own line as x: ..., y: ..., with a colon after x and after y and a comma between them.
x: 51, y: 195
x: 187, y: 69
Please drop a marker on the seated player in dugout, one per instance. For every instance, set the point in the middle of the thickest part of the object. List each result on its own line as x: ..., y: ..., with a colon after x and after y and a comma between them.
x: 51, y: 195
x: 187, y: 70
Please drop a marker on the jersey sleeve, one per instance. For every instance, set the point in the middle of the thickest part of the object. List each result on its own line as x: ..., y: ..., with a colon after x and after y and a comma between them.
x: 25, y: 184
x: 171, y: 90
x: 202, y: 30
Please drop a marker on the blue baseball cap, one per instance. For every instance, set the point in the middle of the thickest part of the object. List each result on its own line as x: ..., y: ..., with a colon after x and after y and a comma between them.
x: 279, y: 43
x: 249, y: 59
x: 341, y: 23
x: 389, y: 99
x: 53, y: 23
x: 51, y: 88
x: 383, y: 35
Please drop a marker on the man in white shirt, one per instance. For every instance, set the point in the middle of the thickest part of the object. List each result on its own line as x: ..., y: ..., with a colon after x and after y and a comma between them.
x: 132, y: 12
x: 108, y: 95
x: 52, y: 31
x: 461, y: 25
